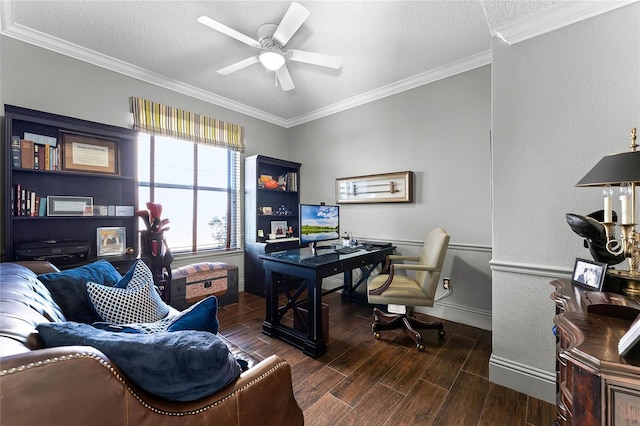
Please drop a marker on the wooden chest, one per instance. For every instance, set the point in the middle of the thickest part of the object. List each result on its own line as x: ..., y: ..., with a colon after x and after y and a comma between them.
x: 192, y: 283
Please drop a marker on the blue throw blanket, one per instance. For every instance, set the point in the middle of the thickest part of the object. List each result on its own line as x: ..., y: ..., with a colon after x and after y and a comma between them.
x: 179, y: 366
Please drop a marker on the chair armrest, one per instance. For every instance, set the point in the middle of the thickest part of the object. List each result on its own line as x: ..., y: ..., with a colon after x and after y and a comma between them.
x: 392, y: 270
x: 378, y: 291
x: 80, y: 385
x: 62, y: 385
x: 261, y: 395
x: 401, y: 257
x: 416, y: 268
x: 393, y: 257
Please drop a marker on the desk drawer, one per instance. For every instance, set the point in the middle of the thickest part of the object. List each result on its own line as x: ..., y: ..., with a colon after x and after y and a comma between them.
x: 329, y: 270
x: 359, y: 262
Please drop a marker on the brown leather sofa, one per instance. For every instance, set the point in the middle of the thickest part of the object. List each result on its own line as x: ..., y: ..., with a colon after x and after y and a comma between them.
x: 79, y: 385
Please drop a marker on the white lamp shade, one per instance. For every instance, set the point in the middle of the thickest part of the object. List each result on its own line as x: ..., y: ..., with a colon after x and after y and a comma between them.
x: 271, y: 60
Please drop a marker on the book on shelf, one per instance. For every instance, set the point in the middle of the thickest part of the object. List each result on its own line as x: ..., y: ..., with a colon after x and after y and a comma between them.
x: 630, y: 338
x: 47, y: 157
x: 41, y: 161
x: 33, y: 208
x: 16, y: 158
x: 41, y: 139
x: 15, y: 198
x: 26, y: 153
x: 36, y: 156
x: 42, y: 211
x: 288, y: 182
x: 27, y: 203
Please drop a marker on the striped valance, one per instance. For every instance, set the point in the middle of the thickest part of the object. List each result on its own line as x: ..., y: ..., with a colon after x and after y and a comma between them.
x: 157, y: 119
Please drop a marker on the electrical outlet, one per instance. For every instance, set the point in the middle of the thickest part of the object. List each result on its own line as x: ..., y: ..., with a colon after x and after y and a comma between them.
x: 446, y: 283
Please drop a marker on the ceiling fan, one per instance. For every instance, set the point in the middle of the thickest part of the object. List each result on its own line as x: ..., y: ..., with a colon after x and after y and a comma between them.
x: 272, y: 39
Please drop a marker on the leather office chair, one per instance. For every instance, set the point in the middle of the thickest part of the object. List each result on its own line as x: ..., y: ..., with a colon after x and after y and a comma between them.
x: 403, y: 292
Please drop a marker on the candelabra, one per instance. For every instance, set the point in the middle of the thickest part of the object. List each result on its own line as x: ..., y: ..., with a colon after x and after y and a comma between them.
x: 621, y: 170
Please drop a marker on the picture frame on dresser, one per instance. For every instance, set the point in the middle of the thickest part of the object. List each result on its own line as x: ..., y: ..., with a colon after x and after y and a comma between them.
x: 589, y: 274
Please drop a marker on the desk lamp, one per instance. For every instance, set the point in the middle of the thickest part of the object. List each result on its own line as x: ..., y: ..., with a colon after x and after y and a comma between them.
x: 621, y: 170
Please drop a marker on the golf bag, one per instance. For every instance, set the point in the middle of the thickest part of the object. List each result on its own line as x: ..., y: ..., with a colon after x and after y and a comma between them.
x: 154, y: 250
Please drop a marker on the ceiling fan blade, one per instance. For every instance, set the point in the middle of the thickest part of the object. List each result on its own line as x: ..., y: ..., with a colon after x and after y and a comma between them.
x: 205, y: 20
x: 238, y: 65
x: 321, y: 59
x: 285, y: 78
x: 292, y: 20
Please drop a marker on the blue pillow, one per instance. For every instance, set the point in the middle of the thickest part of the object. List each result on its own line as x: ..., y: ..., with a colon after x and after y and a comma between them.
x: 69, y: 288
x: 178, y: 366
x: 203, y: 316
x: 126, y: 278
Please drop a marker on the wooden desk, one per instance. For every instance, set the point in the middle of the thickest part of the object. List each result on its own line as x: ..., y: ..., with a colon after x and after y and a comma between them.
x: 595, y: 385
x: 310, y: 270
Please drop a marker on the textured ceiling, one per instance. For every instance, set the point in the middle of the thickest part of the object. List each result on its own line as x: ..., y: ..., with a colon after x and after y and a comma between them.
x: 386, y: 46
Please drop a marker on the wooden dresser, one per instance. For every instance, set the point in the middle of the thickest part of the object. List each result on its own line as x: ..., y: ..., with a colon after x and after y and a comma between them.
x: 595, y: 385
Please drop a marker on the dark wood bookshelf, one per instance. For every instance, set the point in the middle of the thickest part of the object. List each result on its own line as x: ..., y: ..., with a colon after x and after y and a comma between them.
x: 257, y: 197
x: 106, y: 189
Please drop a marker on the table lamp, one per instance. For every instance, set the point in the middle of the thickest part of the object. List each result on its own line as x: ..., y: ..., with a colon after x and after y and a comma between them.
x: 620, y: 170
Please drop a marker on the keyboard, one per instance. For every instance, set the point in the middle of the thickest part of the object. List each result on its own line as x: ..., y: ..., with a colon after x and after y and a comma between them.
x: 346, y: 250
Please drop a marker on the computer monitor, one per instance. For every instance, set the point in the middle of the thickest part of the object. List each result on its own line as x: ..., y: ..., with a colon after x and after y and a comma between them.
x: 319, y: 223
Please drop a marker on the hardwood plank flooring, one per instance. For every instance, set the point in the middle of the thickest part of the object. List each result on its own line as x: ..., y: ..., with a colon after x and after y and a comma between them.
x: 364, y: 381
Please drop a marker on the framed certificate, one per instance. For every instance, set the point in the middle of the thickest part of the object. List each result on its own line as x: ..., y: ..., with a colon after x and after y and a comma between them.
x: 69, y: 206
x: 382, y: 188
x: 84, y: 153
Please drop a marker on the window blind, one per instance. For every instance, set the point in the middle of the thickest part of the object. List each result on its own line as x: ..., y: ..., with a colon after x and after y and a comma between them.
x: 158, y: 119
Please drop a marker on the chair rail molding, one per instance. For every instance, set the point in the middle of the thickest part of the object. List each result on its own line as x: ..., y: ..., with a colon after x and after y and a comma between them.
x: 530, y: 269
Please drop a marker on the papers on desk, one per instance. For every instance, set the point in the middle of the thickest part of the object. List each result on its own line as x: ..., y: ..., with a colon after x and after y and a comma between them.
x: 630, y: 338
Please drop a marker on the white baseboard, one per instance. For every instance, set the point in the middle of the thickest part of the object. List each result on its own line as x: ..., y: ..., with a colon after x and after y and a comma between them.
x: 458, y: 313
x: 523, y: 378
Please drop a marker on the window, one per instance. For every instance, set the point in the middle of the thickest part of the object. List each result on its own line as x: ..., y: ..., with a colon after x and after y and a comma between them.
x: 198, y: 188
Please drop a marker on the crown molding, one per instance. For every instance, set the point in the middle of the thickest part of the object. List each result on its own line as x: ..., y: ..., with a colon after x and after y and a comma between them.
x: 10, y: 29
x: 45, y: 41
x: 466, y: 64
x: 565, y: 14
x: 556, y: 17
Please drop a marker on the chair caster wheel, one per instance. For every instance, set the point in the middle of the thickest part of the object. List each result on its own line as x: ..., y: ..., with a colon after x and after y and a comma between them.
x: 421, y: 347
x: 377, y: 336
x: 441, y: 334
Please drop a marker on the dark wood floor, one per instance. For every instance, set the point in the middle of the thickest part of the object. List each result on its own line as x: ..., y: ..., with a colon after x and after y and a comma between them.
x: 364, y: 381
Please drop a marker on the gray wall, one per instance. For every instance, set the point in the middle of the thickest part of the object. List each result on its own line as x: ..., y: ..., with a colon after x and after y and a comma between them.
x: 441, y: 132
x: 561, y: 101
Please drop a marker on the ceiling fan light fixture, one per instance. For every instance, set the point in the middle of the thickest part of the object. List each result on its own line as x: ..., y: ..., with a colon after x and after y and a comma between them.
x: 271, y: 60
